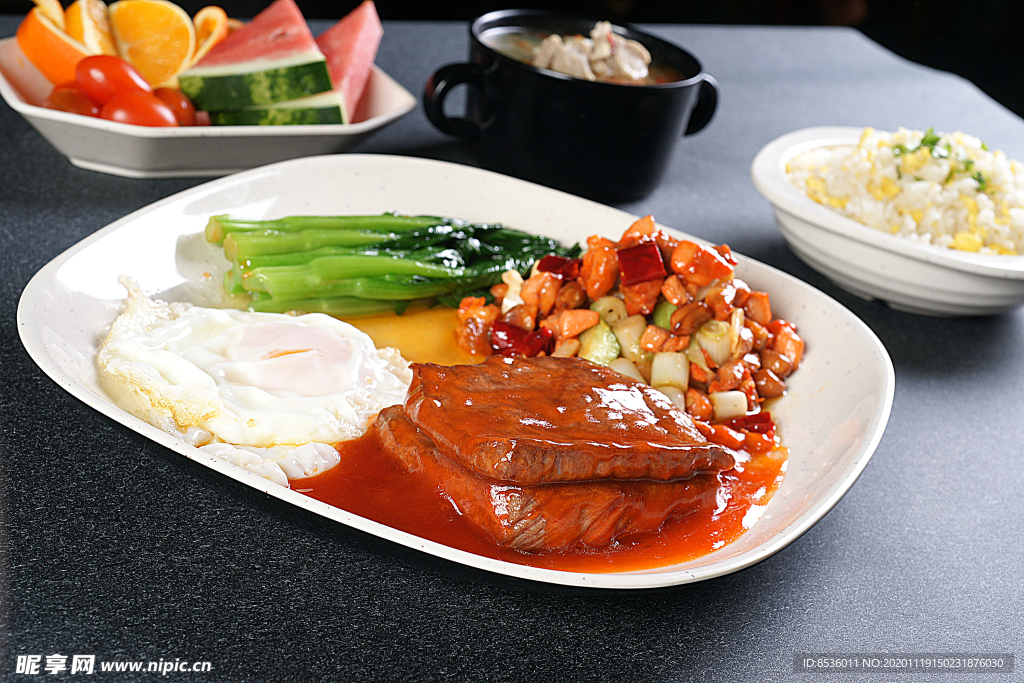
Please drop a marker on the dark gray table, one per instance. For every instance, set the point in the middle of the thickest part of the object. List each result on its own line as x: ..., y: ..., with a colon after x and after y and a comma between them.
x: 157, y: 557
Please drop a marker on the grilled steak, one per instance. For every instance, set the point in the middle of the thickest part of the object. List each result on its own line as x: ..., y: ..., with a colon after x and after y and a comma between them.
x: 554, y: 516
x: 545, y: 420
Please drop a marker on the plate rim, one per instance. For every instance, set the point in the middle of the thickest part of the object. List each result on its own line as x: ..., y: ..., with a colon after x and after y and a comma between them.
x: 768, y: 175
x: 658, y: 578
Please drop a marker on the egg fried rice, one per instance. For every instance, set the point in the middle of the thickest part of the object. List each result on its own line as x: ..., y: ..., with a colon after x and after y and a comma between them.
x: 949, y: 190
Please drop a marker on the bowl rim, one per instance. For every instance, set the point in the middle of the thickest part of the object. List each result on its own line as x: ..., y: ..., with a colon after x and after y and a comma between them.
x: 621, y: 29
x: 769, y: 177
x: 17, y: 101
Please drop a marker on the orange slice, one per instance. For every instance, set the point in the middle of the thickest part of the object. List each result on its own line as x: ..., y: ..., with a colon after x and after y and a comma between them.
x: 234, y: 25
x: 156, y: 36
x: 211, y: 27
x: 53, y: 11
x: 52, y: 51
x: 86, y: 21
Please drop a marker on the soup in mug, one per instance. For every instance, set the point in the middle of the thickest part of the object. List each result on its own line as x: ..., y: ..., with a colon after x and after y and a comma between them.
x: 604, y: 56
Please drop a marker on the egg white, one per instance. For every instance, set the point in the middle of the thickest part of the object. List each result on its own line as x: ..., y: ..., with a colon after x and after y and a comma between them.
x: 268, y: 392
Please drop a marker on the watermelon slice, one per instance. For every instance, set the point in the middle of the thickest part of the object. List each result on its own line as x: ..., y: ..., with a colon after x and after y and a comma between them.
x: 325, y: 107
x: 271, y: 59
x: 350, y: 47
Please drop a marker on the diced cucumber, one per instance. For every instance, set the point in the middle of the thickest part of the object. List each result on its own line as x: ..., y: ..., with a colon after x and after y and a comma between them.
x: 598, y: 344
x: 662, y: 316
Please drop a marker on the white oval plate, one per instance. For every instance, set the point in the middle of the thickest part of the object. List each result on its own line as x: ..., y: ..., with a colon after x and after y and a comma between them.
x: 194, y: 151
x: 919, y: 278
x: 832, y: 418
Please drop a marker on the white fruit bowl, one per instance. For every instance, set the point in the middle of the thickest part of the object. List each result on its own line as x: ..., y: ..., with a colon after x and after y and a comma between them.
x: 908, y: 276
x: 141, y: 152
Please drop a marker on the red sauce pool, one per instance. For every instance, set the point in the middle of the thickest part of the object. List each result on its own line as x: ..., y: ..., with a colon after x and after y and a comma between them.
x: 370, y: 484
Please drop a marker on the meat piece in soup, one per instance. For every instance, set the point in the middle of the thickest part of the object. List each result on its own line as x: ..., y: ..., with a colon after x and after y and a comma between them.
x: 616, y: 58
x: 603, y: 56
x: 570, y: 56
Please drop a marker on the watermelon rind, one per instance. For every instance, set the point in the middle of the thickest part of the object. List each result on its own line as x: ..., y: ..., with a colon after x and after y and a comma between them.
x: 325, y: 107
x: 255, y: 83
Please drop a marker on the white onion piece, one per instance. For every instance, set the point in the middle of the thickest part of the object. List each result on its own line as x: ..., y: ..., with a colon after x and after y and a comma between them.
x: 670, y: 368
x: 567, y: 349
x: 713, y: 337
x: 611, y: 309
x: 736, y: 320
x: 728, y: 404
x: 694, y: 355
x: 624, y: 366
x: 675, y: 394
x: 628, y: 333
x: 513, y: 296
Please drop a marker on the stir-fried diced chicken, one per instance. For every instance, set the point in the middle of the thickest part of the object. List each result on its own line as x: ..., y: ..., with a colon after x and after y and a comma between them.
x: 603, y: 56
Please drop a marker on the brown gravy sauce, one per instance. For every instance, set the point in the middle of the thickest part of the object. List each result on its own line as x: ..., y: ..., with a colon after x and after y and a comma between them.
x: 372, y: 485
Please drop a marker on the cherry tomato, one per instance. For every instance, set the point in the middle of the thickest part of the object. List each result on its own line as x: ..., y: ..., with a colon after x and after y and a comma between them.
x: 103, y: 76
x: 138, y: 108
x: 70, y: 98
x: 179, y: 103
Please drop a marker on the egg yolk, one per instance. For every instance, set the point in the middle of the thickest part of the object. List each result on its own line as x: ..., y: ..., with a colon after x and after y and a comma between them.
x: 305, y: 361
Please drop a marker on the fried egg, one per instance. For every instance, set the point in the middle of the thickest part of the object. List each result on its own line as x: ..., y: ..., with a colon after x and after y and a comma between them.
x: 268, y: 392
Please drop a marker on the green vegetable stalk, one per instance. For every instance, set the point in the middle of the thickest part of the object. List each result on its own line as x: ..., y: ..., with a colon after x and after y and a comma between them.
x: 290, y: 282
x: 341, y: 307
x: 359, y: 265
x: 219, y: 227
x: 241, y: 245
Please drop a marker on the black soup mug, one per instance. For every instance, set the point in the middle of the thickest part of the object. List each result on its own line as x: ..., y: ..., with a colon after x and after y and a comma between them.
x: 606, y: 141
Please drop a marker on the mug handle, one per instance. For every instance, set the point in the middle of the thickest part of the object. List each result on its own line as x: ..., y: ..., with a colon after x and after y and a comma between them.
x: 707, y: 101
x: 439, y: 85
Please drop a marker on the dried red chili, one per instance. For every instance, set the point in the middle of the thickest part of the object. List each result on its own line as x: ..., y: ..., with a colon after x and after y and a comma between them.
x: 540, y: 340
x: 641, y: 263
x: 759, y: 423
x: 562, y: 266
x: 505, y: 335
x: 509, y: 340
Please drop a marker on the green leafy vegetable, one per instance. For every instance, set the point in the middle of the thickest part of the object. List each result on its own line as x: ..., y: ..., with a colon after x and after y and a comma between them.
x: 357, y: 265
